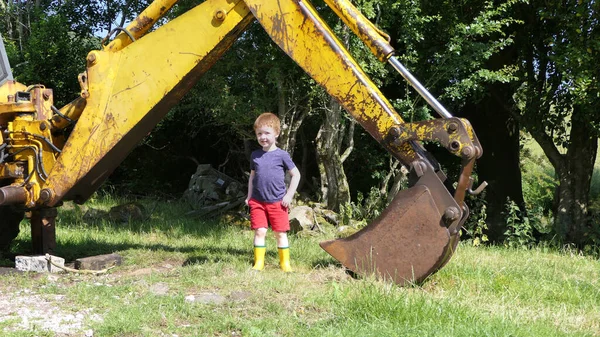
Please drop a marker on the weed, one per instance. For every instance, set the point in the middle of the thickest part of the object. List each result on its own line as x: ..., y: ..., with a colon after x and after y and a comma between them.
x: 519, y: 232
x: 476, y: 225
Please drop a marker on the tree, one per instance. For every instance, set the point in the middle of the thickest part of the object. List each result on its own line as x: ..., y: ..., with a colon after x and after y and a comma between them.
x: 561, y: 97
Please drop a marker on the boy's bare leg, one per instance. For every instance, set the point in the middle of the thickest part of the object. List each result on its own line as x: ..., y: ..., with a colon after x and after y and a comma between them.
x: 260, y: 235
x: 283, y: 249
x: 282, y: 239
x: 259, y: 248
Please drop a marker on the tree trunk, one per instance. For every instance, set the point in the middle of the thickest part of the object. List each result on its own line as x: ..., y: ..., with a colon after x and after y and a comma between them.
x: 292, y: 111
x: 493, y: 120
x: 575, y: 176
x: 545, y: 82
x: 334, y: 184
x: 335, y: 190
x: 499, y: 165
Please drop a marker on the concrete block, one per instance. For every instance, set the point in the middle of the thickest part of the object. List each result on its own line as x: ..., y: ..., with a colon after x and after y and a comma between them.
x: 39, y: 264
x: 98, y: 262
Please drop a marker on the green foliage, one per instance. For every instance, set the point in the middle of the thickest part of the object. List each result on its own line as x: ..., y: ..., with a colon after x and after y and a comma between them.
x: 484, y: 36
x: 364, y: 209
x: 519, y: 231
x: 55, y: 56
x: 476, y: 226
x: 539, y: 184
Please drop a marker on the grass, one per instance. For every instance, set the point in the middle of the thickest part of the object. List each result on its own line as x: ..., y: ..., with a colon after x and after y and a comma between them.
x: 483, y: 291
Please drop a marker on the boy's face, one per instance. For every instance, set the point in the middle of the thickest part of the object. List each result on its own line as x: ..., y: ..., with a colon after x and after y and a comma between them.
x: 266, y: 137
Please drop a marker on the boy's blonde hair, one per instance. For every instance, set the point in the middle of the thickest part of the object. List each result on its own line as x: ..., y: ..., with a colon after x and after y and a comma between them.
x: 268, y: 119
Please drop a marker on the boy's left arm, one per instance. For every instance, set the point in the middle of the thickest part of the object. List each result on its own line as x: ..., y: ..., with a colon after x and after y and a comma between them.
x: 289, y: 196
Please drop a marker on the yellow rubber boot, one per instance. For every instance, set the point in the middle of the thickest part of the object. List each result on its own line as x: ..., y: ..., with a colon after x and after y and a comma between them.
x: 259, y: 257
x: 284, y: 259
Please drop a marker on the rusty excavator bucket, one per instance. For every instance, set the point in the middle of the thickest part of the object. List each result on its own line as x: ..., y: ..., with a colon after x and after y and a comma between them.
x: 414, y: 237
x: 418, y: 232
x: 407, y: 243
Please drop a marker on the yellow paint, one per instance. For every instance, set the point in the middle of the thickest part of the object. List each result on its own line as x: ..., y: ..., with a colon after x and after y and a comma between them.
x: 303, y: 35
x: 126, y: 85
x: 373, y: 37
x: 138, y: 27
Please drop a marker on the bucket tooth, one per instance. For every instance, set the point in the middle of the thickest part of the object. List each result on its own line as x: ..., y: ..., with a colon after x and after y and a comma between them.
x: 407, y: 243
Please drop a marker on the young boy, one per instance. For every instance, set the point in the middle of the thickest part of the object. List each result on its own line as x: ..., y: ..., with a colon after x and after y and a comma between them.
x: 267, y: 196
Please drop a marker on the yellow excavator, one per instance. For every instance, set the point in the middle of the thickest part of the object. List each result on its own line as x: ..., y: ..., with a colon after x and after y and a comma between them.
x: 131, y: 83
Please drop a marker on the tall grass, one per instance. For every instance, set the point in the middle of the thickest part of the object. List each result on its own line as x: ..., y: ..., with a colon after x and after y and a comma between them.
x: 170, y: 257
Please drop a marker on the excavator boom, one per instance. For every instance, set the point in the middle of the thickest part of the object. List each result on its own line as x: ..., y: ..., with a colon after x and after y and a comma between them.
x: 136, y: 78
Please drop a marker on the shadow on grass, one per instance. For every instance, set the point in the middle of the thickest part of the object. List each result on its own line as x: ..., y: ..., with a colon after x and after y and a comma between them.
x: 218, y: 255
x: 71, y: 251
x: 326, y: 263
x: 170, y: 219
x: 160, y: 221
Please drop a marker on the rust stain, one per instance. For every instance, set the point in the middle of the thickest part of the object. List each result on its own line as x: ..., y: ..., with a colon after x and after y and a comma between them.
x: 141, y: 23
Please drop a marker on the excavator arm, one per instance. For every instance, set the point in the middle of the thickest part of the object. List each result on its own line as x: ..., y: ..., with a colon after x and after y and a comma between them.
x: 135, y: 79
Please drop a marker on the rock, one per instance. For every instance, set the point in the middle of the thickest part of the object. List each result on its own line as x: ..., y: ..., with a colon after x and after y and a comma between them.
x: 346, y: 231
x: 208, y: 187
x: 329, y: 215
x: 39, y: 264
x: 131, y: 211
x: 237, y: 296
x: 98, y: 262
x: 94, y: 214
x: 205, y: 298
x: 159, y: 288
x: 301, y: 218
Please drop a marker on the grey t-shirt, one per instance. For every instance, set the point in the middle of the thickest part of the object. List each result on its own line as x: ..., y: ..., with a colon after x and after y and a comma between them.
x: 269, y: 174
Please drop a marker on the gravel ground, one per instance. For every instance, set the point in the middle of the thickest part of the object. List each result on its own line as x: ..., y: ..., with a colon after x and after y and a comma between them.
x: 28, y: 310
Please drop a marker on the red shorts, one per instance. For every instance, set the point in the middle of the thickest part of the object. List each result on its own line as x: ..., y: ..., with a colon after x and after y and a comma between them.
x: 264, y: 213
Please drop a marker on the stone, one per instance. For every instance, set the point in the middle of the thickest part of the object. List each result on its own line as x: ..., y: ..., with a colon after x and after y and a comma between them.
x: 39, y: 264
x: 159, y: 288
x: 329, y: 215
x: 131, y: 211
x: 301, y: 218
x: 208, y: 187
x: 98, y: 262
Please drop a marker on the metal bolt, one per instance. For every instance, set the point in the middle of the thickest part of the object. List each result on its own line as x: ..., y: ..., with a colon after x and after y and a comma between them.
x: 91, y: 58
x: 468, y: 151
x: 452, y: 127
x: 220, y: 14
x: 43, y: 126
x: 451, y: 213
x: 394, y: 132
x: 45, y: 195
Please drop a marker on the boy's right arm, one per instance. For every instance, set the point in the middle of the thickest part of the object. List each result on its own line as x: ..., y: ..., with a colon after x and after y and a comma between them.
x: 250, y: 186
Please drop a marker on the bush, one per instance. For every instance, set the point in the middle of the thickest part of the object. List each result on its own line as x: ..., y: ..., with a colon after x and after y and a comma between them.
x: 519, y: 232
